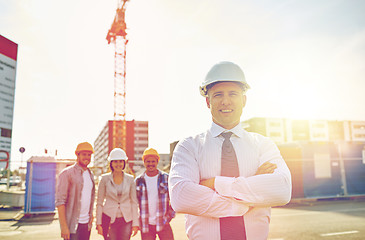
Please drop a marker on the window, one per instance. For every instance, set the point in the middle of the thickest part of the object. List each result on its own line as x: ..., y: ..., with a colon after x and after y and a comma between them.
x: 142, y: 138
x: 319, y: 135
x: 6, y: 132
x: 318, y: 125
x: 141, y: 131
x: 359, y: 135
x: 275, y: 134
x: 275, y: 124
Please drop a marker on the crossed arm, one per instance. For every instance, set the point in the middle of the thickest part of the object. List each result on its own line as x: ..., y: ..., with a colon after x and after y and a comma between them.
x: 227, y: 196
x: 266, y: 168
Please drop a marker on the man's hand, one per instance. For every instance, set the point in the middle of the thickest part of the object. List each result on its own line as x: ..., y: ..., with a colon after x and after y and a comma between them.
x: 65, y: 232
x: 266, y: 168
x: 100, y: 229
x: 134, y: 230
x: 91, y: 220
x: 208, y: 183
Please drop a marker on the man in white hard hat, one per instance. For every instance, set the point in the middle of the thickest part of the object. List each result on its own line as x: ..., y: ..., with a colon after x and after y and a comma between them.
x: 226, y: 179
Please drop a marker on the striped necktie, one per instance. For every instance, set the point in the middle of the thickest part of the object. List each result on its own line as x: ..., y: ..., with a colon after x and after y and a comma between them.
x: 231, y: 228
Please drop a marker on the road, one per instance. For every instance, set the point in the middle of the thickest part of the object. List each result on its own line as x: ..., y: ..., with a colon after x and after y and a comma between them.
x: 322, y: 220
x: 46, y: 227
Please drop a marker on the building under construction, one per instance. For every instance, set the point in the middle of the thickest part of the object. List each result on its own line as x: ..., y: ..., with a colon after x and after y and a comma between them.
x: 136, y: 143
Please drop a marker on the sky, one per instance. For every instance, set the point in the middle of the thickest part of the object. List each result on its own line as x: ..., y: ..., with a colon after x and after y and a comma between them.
x: 302, y: 59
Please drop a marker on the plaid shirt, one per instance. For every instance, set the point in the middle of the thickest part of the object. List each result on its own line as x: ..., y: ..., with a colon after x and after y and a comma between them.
x: 164, y: 211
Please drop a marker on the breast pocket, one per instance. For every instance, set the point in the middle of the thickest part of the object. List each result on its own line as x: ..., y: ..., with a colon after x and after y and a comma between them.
x: 163, y: 188
x: 139, y: 191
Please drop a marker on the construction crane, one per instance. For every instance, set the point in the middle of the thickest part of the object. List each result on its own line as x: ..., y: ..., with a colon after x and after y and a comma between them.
x: 118, y: 36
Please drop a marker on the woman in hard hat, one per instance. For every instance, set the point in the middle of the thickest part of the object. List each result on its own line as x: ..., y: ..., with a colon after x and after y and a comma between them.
x: 117, y: 217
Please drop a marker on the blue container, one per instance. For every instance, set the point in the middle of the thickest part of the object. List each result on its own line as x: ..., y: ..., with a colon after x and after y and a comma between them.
x: 292, y: 154
x: 40, y: 187
x: 316, y: 168
x: 325, y: 181
x: 354, y: 168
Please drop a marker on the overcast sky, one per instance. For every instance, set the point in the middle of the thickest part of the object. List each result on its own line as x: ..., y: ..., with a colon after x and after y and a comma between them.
x: 302, y: 59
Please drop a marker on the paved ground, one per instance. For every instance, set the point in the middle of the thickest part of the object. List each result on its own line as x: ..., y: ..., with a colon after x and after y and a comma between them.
x: 323, y: 219
x: 304, y: 220
x: 14, y: 226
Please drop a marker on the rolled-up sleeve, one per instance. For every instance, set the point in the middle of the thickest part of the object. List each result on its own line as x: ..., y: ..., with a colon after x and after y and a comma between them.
x: 62, y: 189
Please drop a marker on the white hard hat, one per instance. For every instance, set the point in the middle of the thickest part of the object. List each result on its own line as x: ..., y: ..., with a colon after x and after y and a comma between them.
x: 224, y: 72
x: 117, y: 154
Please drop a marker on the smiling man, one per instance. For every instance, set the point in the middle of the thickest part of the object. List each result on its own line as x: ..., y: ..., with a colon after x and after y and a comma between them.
x: 153, y: 197
x: 75, y: 196
x: 226, y: 179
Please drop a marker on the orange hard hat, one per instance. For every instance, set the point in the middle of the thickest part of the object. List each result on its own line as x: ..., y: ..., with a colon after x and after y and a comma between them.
x: 150, y: 152
x: 84, y: 146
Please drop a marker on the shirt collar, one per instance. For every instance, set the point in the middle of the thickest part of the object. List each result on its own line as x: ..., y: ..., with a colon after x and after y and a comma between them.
x: 79, y: 168
x: 216, y: 130
x: 159, y: 173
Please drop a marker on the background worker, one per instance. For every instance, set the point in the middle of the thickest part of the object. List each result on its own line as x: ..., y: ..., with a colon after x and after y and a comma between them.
x: 120, y: 209
x: 153, y: 197
x: 75, y: 196
x: 226, y: 179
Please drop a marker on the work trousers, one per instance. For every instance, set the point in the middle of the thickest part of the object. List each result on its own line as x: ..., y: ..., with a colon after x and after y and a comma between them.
x: 82, y: 232
x: 165, y: 234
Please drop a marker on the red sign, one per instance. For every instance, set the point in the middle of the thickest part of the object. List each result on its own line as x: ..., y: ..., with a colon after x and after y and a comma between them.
x: 6, y: 159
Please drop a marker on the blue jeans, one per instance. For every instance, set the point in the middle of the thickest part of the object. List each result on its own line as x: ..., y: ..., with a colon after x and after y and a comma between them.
x: 165, y: 234
x: 82, y: 232
x: 120, y: 229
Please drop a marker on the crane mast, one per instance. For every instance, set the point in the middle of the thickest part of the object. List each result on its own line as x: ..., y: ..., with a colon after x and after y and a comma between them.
x: 117, y: 35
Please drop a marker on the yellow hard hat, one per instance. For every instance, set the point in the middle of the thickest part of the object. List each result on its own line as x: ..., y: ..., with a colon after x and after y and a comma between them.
x: 150, y: 152
x: 84, y: 146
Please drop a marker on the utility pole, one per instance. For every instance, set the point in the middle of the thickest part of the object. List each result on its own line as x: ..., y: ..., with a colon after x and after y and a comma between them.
x: 21, y: 150
x: 342, y: 169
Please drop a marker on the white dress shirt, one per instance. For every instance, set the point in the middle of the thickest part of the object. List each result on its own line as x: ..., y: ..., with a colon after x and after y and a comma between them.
x: 197, y: 158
